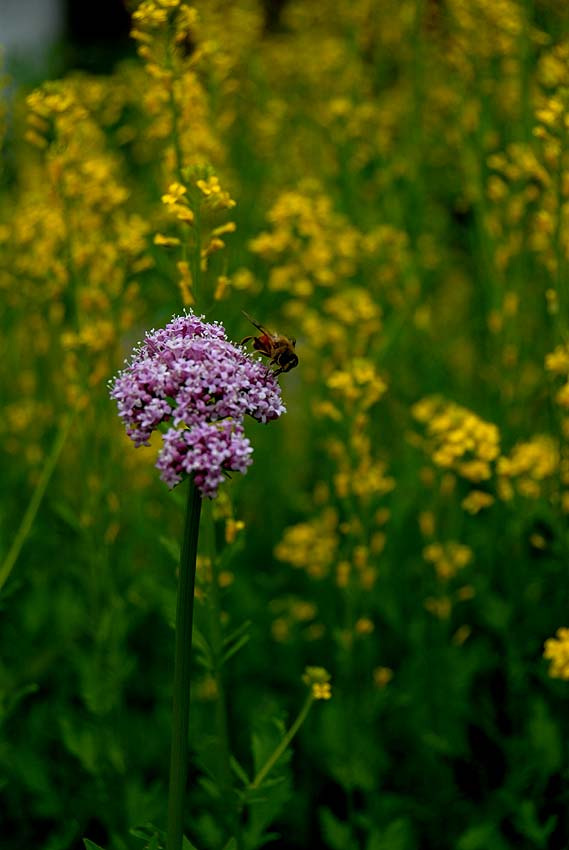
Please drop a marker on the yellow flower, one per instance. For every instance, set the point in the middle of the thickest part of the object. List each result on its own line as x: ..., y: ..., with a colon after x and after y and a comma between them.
x: 321, y: 691
x: 166, y: 241
x: 232, y: 529
x: 185, y: 283
x: 556, y: 650
x: 318, y: 680
x: 382, y: 676
x: 364, y: 626
x: 476, y: 501
x: 218, y: 198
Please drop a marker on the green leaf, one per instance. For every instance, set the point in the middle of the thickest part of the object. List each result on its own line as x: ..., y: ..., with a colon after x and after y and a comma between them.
x: 172, y: 547
x: 545, y: 739
x: 187, y: 844
x: 68, y: 515
x: 151, y: 834
x: 397, y: 836
x: 482, y: 837
x: 210, y: 787
x: 497, y: 612
x: 236, y: 633
x: 235, y: 648
x: 266, y: 803
x: 338, y: 835
x: 528, y: 824
x: 239, y: 771
x: 202, y: 648
x: 269, y: 732
x: 90, y: 845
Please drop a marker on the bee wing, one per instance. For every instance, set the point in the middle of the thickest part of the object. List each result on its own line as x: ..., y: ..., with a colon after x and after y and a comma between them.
x: 256, y: 324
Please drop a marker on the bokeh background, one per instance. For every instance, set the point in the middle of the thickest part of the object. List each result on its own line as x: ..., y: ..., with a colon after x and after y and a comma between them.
x: 401, y: 177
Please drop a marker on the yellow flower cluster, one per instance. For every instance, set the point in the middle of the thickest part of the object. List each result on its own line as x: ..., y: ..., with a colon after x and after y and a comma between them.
x: 487, y: 28
x: 150, y: 24
x: 458, y: 439
x: 311, y: 545
x: 194, y: 204
x: 359, y: 472
x: 309, y: 245
x: 174, y: 48
x: 476, y: 501
x: 530, y: 184
x: 518, y: 181
x: 358, y: 382
x: 527, y: 467
x: 355, y: 308
x: 76, y: 248
x: 292, y: 613
x: 557, y: 362
x: 447, y: 558
x: 556, y: 650
x: 216, y: 197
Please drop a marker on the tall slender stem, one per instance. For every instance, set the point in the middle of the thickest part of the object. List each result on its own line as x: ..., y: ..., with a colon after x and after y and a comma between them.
x: 182, y: 670
x: 35, y: 501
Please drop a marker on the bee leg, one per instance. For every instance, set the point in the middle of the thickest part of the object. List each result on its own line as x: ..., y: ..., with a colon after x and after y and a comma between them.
x: 246, y: 339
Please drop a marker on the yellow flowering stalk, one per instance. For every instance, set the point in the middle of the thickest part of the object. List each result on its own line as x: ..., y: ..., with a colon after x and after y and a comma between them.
x: 194, y: 206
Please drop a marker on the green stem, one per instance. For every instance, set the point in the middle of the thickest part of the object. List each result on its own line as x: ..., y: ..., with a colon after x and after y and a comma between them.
x: 35, y: 501
x: 169, y: 62
x: 182, y: 669
x: 273, y: 759
x: 216, y: 643
x: 197, y: 282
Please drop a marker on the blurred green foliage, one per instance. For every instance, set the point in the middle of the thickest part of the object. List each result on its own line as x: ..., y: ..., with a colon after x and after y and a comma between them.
x: 401, y: 177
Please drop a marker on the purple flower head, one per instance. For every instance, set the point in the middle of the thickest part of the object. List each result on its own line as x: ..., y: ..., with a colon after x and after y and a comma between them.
x: 204, y: 451
x: 190, y: 376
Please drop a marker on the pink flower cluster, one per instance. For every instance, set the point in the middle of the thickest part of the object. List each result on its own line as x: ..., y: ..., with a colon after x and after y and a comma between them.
x: 191, y: 377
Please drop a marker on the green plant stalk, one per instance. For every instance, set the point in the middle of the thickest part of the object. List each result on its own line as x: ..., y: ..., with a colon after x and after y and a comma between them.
x: 182, y: 670
x: 216, y: 643
x: 281, y: 748
x: 33, y: 506
x: 174, y: 77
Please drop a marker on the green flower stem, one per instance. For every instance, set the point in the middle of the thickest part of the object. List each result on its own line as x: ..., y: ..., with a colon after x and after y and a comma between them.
x: 182, y: 669
x: 273, y: 759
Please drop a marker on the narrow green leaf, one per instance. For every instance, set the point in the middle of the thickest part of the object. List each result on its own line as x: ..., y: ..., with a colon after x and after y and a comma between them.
x: 239, y: 771
x: 172, y: 547
x: 242, y: 629
x: 203, y: 648
x: 235, y: 648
